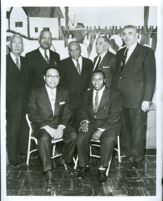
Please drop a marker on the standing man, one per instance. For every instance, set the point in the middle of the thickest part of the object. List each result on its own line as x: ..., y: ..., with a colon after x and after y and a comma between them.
x: 75, y: 74
x: 100, y: 120
x: 38, y: 60
x: 104, y: 60
x: 135, y: 79
x: 49, y: 111
x: 15, y: 97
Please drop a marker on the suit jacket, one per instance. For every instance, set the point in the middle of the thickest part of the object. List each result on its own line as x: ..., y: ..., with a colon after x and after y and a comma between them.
x: 40, y: 111
x: 137, y: 81
x: 36, y: 65
x: 72, y: 81
x: 15, y: 86
x: 108, y: 114
x: 107, y: 65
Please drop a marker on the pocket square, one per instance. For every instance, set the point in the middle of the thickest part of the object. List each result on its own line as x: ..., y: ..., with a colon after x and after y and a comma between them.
x: 106, y: 66
x: 61, y: 103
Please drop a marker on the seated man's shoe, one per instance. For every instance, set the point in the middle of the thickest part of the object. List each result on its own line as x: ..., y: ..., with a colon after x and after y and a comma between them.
x: 83, y: 171
x: 102, y: 175
x: 48, y: 183
x: 67, y: 166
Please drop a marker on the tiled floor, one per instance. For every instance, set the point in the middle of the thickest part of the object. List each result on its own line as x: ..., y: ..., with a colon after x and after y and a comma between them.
x: 122, y: 180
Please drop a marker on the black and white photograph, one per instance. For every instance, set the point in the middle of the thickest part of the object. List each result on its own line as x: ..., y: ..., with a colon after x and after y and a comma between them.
x: 82, y: 101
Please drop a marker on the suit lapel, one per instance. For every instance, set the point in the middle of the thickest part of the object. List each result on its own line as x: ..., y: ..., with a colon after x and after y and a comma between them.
x: 57, y: 100
x: 133, y: 57
x: 13, y: 66
x: 45, y: 97
x: 104, y: 99
x: 103, y: 62
x: 40, y: 56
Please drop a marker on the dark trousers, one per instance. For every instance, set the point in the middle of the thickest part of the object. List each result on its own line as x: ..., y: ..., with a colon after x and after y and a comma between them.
x: 13, y: 133
x: 83, y: 146
x: 45, y: 147
x: 133, y: 133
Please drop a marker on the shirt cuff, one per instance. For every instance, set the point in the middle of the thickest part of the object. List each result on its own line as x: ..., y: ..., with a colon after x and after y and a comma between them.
x: 84, y: 121
x: 63, y: 126
x: 101, y: 129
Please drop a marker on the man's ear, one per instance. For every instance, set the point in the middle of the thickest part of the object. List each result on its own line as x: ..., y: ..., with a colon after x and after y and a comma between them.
x: 44, y: 77
x: 105, y: 81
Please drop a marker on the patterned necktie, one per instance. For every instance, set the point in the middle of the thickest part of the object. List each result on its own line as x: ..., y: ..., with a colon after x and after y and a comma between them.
x: 78, y: 66
x: 96, y: 102
x: 123, y: 61
x: 17, y: 63
x: 97, y: 65
x: 46, y: 57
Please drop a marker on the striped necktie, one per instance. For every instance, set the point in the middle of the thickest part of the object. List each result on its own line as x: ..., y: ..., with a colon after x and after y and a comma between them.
x: 97, y: 65
x: 46, y: 57
x: 96, y: 103
x: 78, y: 66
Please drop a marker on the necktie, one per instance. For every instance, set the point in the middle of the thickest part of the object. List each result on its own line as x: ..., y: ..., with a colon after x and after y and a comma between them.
x: 78, y: 66
x: 97, y: 65
x: 123, y: 61
x: 46, y: 57
x: 17, y: 63
x: 96, y: 102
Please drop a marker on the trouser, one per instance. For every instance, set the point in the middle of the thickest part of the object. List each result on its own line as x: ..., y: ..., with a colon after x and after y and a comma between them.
x: 107, y: 141
x: 133, y: 133
x: 45, y: 147
x: 13, y: 131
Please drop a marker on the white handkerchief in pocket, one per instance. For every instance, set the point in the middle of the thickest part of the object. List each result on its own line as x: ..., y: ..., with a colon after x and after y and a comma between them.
x: 106, y: 66
x: 62, y: 103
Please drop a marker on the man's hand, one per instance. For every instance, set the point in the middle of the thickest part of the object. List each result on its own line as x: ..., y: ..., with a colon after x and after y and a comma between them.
x: 97, y: 135
x: 59, y: 132
x: 84, y: 126
x: 145, y: 106
x: 51, y: 131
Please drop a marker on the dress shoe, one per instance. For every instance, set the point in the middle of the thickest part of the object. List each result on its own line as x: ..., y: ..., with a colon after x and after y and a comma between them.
x: 83, y: 172
x: 102, y: 175
x: 48, y: 183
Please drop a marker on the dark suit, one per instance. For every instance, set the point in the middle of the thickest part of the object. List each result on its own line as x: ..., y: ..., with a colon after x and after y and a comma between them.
x: 107, y: 117
x: 107, y: 65
x: 36, y: 65
x: 15, y: 100
x: 40, y: 113
x: 76, y: 84
x: 136, y: 83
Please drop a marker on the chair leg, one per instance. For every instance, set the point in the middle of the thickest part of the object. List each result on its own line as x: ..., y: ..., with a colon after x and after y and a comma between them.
x: 75, y: 162
x: 53, y: 150
x: 119, y: 151
x: 107, y: 170
x: 28, y: 151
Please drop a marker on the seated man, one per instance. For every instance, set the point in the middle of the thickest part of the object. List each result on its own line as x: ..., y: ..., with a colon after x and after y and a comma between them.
x: 100, y: 120
x: 49, y: 111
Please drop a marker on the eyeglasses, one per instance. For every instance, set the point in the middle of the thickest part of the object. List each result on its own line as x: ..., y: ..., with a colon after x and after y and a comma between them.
x: 51, y: 76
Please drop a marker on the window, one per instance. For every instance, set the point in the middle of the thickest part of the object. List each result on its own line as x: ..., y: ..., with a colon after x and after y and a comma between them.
x: 18, y: 24
x: 46, y: 28
x: 36, y: 29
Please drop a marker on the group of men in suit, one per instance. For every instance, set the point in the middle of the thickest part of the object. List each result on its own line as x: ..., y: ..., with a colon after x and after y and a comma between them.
x: 78, y: 100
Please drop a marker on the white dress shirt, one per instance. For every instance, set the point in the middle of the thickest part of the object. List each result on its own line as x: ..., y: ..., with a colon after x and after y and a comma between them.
x: 52, y: 96
x: 42, y: 51
x: 80, y: 62
x: 100, y: 92
x: 130, y: 51
x: 14, y: 58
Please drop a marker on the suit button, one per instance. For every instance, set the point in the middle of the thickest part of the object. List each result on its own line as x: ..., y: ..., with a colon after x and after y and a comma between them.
x: 95, y: 116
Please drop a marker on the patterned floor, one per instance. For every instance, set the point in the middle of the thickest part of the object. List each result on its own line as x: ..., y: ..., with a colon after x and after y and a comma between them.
x: 122, y: 180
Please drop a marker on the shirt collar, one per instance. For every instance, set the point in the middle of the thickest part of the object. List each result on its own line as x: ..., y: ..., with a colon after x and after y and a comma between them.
x: 14, y: 57
x: 79, y: 59
x: 102, y: 55
x: 100, y: 91
x: 49, y: 89
x: 132, y: 47
x: 43, y: 51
